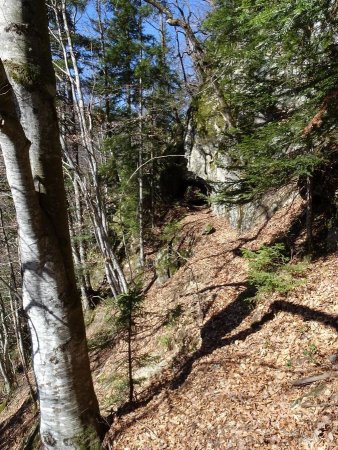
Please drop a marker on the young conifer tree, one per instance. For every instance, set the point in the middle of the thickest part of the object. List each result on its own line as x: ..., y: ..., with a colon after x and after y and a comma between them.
x: 140, y: 88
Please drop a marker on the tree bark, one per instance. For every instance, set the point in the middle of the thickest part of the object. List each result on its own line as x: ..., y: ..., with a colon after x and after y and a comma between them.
x: 6, y: 370
x: 204, y: 70
x: 29, y: 138
x: 91, y: 189
x: 309, y: 213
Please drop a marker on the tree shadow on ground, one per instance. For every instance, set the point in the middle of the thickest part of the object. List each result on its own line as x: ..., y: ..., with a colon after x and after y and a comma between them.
x: 215, y: 332
x: 17, y: 424
x: 218, y: 326
x: 213, y: 335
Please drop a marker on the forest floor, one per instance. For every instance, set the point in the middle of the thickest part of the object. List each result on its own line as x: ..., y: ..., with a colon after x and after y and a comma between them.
x: 214, y: 370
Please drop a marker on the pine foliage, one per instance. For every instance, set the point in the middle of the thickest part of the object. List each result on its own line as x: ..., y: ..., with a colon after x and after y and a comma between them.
x: 277, y: 65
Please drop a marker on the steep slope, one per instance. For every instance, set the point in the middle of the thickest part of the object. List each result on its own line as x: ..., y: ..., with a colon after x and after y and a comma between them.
x: 229, y: 367
x: 212, y: 369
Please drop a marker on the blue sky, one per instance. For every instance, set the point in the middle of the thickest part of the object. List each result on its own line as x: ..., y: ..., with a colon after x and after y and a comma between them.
x: 197, y: 8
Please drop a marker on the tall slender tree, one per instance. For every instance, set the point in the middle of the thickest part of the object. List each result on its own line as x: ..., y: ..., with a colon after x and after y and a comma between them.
x: 87, y: 180
x: 140, y: 86
x: 29, y: 139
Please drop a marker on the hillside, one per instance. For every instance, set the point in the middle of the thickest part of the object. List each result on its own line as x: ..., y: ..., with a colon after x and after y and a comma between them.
x: 232, y: 388
x: 168, y: 224
x: 213, y: 369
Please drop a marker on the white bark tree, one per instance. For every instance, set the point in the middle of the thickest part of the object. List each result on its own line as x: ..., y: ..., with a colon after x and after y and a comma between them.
x: 89, y: 185
x: 29, y: 139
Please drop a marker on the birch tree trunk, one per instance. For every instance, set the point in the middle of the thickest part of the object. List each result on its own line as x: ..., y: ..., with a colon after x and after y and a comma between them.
x: 90, y: 188
x: 29, y: 139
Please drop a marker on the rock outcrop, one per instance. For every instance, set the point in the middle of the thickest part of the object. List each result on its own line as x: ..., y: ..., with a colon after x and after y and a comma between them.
x: 206, y: 161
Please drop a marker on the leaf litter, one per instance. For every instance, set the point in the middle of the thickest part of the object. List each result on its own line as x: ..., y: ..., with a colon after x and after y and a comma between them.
x: 231, y: 388
x: 218, y: 369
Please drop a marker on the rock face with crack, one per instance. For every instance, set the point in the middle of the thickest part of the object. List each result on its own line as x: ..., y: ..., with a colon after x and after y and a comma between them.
x: 205, y: 160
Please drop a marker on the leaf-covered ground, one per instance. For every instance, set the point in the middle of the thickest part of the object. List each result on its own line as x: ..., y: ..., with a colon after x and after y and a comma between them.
x: 227, y: 384
x: 214, y: 370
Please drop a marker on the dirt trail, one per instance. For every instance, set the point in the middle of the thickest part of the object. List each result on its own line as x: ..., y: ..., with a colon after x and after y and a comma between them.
x: 234, y: 390
x: 215, y: 372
